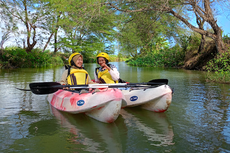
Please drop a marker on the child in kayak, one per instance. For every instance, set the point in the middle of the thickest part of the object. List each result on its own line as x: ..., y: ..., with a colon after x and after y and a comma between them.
x: 75, y: 74
x: 106, y: 73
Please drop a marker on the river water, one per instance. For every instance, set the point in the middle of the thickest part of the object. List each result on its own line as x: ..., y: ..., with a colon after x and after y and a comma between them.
x: 198, y: 119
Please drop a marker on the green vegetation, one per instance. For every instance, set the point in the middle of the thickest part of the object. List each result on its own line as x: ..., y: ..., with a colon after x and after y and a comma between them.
x: 218, y: 68
x: 166, y: 58
x: 220, y: 65
x: 158, y: 54
x: 117, y: 58
x: 18, y: 58
x: 14, y: 57
x: 220, y: 77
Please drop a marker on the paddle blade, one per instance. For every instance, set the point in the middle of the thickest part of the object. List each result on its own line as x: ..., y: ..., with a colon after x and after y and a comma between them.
x: 23, y: 89
x: 158, y: 81
x: 44, y: 87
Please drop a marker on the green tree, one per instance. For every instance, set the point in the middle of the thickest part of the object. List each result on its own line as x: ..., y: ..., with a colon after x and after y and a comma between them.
x: 30, y: 14
x: 86, y: 26
x: 203, y: 9
x: 139, y: 30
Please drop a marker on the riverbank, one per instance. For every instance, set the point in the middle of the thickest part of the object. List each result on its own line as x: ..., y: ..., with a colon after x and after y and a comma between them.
x: 217, y: 65
x: 12, y: 58
x: 19, y: 58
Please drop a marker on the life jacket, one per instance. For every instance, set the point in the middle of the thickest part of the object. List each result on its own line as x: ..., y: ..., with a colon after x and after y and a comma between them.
x: 104, y: 76
x: 77, y: 77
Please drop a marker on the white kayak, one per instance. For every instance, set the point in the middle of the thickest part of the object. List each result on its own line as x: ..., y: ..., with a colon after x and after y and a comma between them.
x: 157, y: 99
x: 103, y: 106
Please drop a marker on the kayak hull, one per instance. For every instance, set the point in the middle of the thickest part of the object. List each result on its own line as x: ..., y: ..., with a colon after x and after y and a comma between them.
x: 103, y: 106
x: 156, y: 99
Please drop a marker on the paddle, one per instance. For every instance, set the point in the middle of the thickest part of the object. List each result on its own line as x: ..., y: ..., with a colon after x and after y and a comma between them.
x: 157, y: 81
x: 51, y: 87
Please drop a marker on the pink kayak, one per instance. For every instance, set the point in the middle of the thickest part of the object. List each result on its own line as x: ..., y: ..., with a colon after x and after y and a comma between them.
x: 103, y: 105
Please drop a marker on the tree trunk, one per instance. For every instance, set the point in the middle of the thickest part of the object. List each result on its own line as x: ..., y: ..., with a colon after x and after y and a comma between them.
x: 29, y: 27
x: 55, y: 42
x: 200, y: 23
x: 30, y: 46
x: 219, y: 42
x: 24, y: 43
x: 217, y: 31
x: 55, y: 33
x: 1, y: 51
x: 48, y: 41
x: 202, y: 43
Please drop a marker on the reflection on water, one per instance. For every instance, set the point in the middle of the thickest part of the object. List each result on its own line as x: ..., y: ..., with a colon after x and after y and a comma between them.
x: 76, y: 136
x: 94, y: 135
x: 101, y: 137
x: 154, y: 126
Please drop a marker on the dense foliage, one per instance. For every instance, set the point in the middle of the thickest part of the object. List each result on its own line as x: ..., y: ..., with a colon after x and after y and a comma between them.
x: 219, y: 68
x: 19, y: 58
x: 172, y: 57
x: 159, y: 54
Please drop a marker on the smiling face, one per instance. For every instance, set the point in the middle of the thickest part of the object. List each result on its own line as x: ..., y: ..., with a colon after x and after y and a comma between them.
x: 101, y: 61
x: 79, y: 62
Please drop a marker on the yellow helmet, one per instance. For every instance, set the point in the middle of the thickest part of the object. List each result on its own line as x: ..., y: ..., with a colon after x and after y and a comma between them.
x: 103, y: 54
x: 71, y: 57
